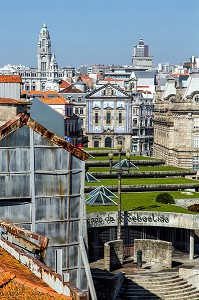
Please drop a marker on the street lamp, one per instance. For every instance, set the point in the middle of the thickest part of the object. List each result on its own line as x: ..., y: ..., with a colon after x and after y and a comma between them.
x: 119, y: 173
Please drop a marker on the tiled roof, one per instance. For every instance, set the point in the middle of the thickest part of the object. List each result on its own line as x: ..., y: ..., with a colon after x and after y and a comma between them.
x: 22, y: 119
x: 49, y: 93
x: 10, y: 78
x: 8, y: 101
x: 57, y: 100
x: 112, y: 79
x: 84, y: 79
x: 71, y: 89
x: 32, y: 92
x: 64, y: 84
x: 17, y: 282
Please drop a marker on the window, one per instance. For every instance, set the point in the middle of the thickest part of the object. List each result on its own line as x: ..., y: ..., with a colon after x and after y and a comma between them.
x: 195, y: 161
x: 79, y: 99
x: 135, y: 122
x: 196, y: 142
x: 108, y: 117
x: 96, y: 118
x: 120, y: 118
x: 196, y: 98
x: 108, y: 142
x: 135, y: 132
x: 43, y: 43
x: 81, y: 111
x: 43, y: 66
x: 76, y: 110
x: 96, y: 144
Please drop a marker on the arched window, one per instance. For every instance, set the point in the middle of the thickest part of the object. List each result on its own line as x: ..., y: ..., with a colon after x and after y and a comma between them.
x: 108, y: 142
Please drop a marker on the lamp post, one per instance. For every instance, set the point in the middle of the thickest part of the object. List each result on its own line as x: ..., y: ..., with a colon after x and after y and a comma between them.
x: 119, y: 173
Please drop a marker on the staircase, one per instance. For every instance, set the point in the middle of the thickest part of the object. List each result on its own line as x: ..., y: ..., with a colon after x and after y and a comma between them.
x: 162, y: 286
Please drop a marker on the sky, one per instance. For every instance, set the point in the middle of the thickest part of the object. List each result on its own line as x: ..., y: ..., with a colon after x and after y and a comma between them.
x: 99, y: 31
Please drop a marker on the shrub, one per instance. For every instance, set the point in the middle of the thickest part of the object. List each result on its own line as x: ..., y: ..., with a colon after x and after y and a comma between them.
x: 193, y: 207
x: 165, y: 198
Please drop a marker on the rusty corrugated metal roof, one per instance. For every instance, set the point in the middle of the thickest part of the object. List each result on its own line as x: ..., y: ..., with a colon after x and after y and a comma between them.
x: 18, y: 282
x: 22, y: 119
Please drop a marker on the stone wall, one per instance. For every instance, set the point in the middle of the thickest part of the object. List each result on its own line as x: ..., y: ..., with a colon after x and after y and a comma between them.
x: 186, y: 202
x: 191, y: 275
x: 113, y: 255
x: 107, y: 286
x: 154, y: 252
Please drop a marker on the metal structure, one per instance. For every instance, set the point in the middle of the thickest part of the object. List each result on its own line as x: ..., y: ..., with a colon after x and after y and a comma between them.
x: 100, y: 198
x: 119, y: 172
x: 42, y: 189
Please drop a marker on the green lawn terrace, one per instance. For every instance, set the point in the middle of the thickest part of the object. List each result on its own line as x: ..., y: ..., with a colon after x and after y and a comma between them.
x: 141, y: 186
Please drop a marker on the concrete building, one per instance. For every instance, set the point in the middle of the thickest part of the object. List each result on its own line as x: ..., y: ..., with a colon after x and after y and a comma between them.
x: 142, y: 125
x: 141, y: 58
x: 176, y: 123
x: 77, y: 97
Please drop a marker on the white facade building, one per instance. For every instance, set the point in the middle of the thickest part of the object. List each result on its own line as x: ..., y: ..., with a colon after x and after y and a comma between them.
x: 47, y: 74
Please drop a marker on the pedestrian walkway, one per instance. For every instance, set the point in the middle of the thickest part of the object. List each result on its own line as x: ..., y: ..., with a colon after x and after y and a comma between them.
x: 154, y: 282
x: 179, y: 260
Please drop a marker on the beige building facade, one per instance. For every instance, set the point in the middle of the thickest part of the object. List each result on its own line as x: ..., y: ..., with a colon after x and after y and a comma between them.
x: 176, y: 123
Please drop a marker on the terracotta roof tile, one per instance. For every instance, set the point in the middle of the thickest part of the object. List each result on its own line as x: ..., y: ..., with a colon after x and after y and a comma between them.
x: 57, y: 100
x: 71, y: 89
x: 10, y: 78
x: 64, y: 84
x: 32, y: 92
x: 8, y: 101
x: 50, y: 93
x: 21, y: 283
x: 112, y: 79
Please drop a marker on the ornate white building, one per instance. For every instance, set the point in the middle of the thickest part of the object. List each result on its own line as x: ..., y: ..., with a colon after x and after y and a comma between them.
x: 176, y: 123
x: 109, y: 115
x: 47, y: 74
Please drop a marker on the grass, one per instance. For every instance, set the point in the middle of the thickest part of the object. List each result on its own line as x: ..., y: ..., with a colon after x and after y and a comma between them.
x: 145, y: 181
x: 145, y: 201
x: 141, y: 201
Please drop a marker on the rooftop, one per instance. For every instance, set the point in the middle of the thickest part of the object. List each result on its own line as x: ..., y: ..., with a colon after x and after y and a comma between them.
x: 18, y: 282
x: 10, y: 79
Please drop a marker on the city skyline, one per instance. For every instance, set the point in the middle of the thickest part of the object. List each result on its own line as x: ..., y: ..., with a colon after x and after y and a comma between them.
x: 104, y: 32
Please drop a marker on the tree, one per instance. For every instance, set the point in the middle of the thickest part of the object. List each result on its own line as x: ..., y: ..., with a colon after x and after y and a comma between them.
x: 165, y: 198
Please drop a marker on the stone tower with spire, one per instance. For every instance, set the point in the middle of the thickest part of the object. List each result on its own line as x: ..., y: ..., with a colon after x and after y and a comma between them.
x: 44, y: 52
